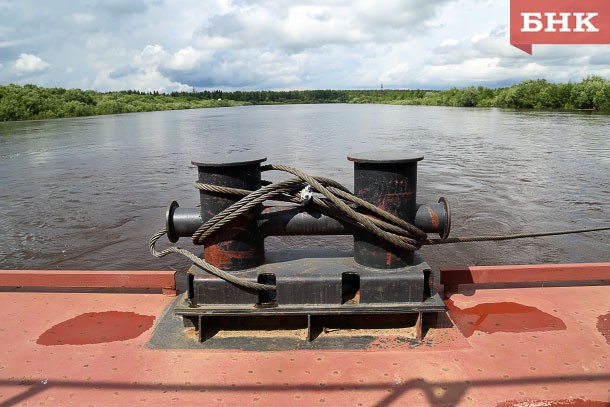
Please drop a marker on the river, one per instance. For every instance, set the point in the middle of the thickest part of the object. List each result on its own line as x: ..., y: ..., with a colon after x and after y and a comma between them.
x: 87, y: 193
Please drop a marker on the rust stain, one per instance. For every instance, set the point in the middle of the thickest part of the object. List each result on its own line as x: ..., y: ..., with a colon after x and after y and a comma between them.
x: 433, y: 217
x: 502, y: 317
x: 388, y: 260
x: 227, y: 259
x: 237, y: 247
x: 393, y: 202
x: 97, y: 327
x: 553, y: 403
x: 603, y: 326
x: 400, y: 194
x: 393, y: 343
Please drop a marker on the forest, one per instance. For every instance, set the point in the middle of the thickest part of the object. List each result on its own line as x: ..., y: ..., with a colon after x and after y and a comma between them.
x: 29, y: 102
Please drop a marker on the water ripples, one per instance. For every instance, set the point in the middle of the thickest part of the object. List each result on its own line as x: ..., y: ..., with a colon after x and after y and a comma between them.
x: 88, y: 193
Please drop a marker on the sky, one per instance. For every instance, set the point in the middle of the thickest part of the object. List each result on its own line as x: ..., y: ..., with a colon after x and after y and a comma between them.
x: 167, y: 46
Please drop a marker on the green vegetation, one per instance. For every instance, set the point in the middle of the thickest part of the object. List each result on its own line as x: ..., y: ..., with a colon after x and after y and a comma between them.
x: 33, y: 102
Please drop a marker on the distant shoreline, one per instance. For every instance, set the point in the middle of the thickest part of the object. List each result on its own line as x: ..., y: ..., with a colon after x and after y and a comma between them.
x: 30, y: 102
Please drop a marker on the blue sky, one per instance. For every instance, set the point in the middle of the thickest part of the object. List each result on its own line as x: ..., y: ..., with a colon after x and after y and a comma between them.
x: 275, y: 44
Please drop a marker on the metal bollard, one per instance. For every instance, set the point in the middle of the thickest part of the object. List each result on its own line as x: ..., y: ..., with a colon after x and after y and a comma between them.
x: 239, y: 245
x: 387, y: 180
x: 383, y: 279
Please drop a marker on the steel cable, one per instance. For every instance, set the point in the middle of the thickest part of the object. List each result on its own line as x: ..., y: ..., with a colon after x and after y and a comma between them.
x: 338, y: 203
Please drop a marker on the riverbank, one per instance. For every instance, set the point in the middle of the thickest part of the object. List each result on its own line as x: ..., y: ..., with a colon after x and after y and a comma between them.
x: 30, y: 102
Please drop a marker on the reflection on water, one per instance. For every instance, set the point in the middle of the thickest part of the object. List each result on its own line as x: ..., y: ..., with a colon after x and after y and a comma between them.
x: 88, y: 193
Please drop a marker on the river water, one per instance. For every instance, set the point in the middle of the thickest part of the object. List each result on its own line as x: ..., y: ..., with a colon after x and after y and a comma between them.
x: 87, y: 193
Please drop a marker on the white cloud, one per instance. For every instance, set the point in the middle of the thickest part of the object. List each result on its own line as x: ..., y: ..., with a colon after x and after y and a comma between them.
x: 396, y: 74
x: 315, y: 26
x: 28, y: 64
x: 83, y: 18
x: 294, y: 27
x: 449, y: 42
x: 275, y: 44
x: 485, y: 58
x: 144, y: 81
x: 151, y: 55
x: 395, y: 14
x: 188, y: 59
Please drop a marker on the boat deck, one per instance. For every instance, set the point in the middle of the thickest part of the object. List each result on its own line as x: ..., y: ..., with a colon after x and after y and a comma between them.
x: 537, y: 346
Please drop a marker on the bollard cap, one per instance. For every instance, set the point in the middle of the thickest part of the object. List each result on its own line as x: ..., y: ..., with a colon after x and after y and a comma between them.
x: 385, y: 157
x: 229, y: 160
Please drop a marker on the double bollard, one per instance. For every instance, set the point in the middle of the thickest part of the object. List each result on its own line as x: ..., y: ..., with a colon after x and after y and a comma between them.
x: 380, y: 279
x: 386, y: 180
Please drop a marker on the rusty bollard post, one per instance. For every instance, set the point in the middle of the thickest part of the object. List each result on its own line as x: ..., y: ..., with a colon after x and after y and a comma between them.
x: 239, y: 245
x: 388, y: 180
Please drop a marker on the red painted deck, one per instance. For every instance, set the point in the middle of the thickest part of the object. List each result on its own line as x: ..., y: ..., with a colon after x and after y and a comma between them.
x: 163, y: 280
x: 502, y: 347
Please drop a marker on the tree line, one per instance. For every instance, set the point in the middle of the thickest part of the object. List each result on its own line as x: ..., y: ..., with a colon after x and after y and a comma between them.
x: 32, y: 102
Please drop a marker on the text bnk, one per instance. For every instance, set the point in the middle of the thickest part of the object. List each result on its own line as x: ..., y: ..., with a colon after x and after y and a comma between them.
x: 566, y: 22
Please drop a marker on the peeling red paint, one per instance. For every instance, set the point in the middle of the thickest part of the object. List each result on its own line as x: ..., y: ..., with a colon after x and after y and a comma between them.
x: 237, y: 247
x: 603, y: 326
x: 97, y: 327
x: 553, y: 403
x: 433, y: 217
x: 226, y: 259
x: 502, y: 317
x: 388, y: 260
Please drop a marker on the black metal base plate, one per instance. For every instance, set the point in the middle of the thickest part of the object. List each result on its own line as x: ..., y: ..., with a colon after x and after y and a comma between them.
x: 431, y: 304
x: 313, y: 282
x: 378, y: 332
x: 313, y: 294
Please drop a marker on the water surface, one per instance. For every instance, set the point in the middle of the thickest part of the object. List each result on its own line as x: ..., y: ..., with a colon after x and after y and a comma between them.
x: 87, y: 193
